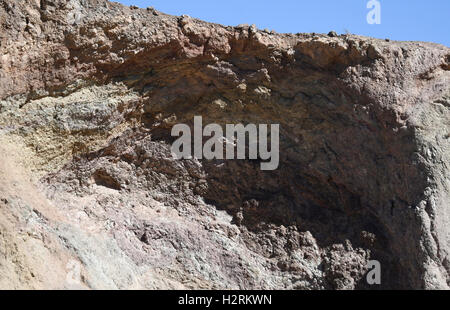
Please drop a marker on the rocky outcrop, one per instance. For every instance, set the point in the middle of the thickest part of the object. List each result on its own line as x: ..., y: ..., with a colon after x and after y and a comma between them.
x: 92, y: 198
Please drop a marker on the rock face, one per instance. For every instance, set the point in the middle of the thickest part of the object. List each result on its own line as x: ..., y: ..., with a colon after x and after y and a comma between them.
x: 92, y: 198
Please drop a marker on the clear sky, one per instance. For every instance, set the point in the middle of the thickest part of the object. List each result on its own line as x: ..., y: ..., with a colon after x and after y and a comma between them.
x: 406, y: 20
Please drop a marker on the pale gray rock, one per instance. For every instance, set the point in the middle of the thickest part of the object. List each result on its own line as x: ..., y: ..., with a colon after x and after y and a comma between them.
x: 91, y: 198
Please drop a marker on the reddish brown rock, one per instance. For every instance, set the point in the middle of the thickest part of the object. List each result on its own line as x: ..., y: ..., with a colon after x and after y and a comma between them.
x: 89, y: 91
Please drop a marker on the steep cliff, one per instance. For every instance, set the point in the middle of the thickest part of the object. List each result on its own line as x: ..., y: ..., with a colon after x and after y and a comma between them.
x: 89, y: 92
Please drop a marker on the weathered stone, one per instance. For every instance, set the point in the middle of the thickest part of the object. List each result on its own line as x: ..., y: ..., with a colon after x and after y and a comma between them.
x: 88, y: 96
x: 332, y: 34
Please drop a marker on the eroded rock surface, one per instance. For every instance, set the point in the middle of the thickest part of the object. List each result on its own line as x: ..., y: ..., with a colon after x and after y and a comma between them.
x: 89, y: 91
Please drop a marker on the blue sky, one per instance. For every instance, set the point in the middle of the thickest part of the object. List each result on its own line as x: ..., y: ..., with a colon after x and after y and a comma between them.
x: 406, y: 20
